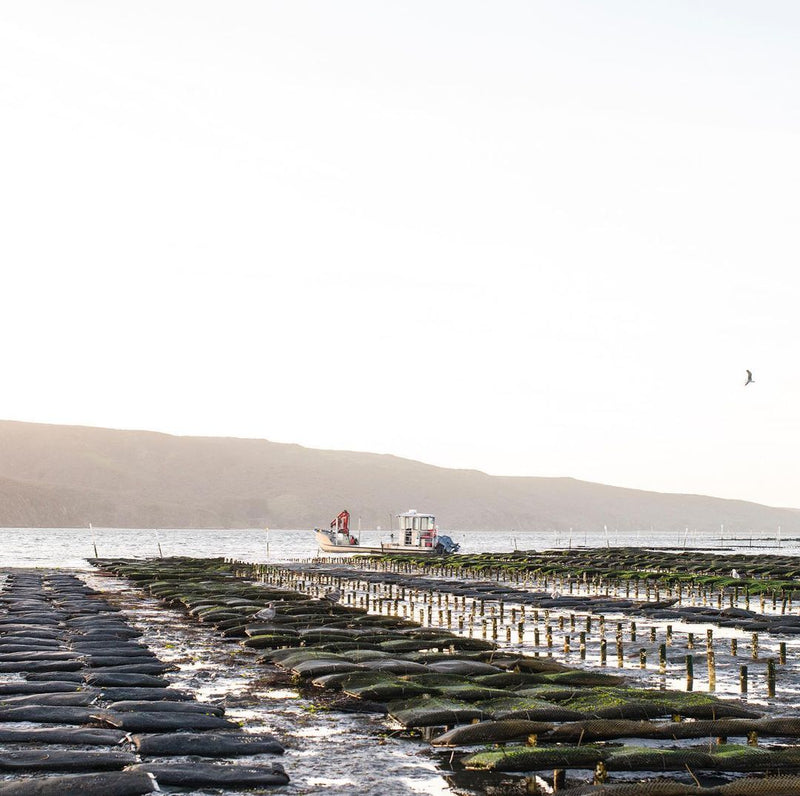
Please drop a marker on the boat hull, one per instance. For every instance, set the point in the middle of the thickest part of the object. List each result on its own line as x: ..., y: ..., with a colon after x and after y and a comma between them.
x: 327, y: 546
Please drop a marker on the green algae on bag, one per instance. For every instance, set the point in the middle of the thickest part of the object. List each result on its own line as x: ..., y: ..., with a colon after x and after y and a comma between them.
x: 492, y: 732
x: 469, y: 692
x: 537, y: 758
x: 521, y: 707
x: 434, y: 712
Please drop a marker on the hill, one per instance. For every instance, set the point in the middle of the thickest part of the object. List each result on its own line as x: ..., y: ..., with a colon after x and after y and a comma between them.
x: 69, y: 476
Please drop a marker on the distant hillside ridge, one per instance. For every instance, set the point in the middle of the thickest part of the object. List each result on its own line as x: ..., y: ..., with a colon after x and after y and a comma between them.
x: 68, y: 476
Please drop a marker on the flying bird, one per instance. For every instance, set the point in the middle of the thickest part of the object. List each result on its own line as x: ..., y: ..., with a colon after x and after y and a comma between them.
x: 267, y: 614
x: 749, y: 378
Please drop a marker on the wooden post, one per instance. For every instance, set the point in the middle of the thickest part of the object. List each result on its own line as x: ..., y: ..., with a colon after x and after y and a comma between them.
x: 743, y: 680
x: 712, y: 670
x: 689, y: 672
x: 771, y: 678
x: 600, y: 773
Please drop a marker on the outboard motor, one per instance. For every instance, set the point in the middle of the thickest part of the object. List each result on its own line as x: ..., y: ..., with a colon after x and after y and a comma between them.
x: 444, y: 544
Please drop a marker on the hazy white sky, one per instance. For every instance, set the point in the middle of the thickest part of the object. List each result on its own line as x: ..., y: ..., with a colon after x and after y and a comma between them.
x: 532, y: 238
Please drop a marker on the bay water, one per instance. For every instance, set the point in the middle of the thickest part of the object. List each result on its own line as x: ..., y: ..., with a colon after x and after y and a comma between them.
x: 71, y: 547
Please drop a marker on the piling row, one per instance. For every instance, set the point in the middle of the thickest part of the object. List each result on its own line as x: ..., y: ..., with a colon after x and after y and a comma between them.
x: 632, y: 570
x: 569, y: 627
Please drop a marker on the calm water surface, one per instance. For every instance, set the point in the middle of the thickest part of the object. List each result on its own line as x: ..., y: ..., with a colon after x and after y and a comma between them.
x: 70, y: 547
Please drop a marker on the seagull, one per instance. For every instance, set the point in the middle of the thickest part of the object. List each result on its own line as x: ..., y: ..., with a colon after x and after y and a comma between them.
x: 332, y: 596
x: 735, y: 575
x: 267, y: 614
x: 749, y: 379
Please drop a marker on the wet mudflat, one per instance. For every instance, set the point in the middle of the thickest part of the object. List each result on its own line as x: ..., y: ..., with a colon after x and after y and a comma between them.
x: 76, y: 681
x: 470, y: 693
x: 79, y: 690
x: 104, y: 690
x: 714, y: 616
x: 326, y: 751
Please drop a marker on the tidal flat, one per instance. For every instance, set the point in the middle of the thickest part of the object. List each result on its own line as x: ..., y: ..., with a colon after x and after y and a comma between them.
x: 326, y: 751
x: 444, y: 672
x: 497, y: 674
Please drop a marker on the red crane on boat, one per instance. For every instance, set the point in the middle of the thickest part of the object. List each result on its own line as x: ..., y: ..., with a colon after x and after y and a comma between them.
x: 342, y: 523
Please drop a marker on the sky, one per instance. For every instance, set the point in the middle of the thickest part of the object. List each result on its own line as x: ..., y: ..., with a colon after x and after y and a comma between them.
x: 530, y: 238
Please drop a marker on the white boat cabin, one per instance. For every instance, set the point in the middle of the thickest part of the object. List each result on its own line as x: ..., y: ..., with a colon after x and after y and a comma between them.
x: 416, y: 530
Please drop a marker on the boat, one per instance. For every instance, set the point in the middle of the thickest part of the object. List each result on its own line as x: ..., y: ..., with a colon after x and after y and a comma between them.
x: 415, y: 532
